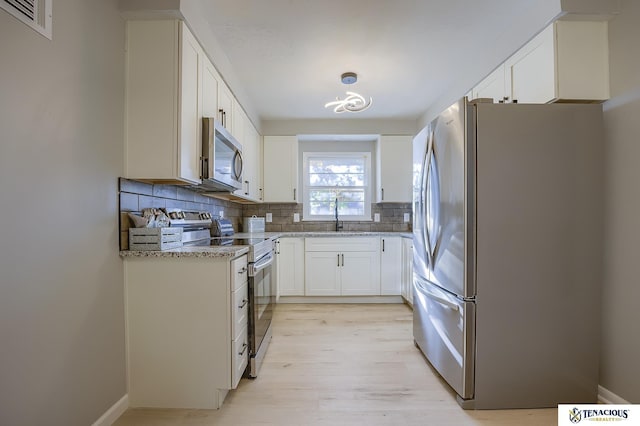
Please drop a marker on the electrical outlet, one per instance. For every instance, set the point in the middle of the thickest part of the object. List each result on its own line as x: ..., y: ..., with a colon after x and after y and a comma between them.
x: 376, y: 217
x: 221, y: 214
x: 406, y: 217
x: 296, y: 217
x: 268, y: 218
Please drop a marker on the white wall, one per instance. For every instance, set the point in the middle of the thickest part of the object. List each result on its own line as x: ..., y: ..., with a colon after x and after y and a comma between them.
x: 62, y: 357
x: 620, y: 366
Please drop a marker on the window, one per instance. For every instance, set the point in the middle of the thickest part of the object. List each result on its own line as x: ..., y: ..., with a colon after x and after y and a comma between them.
x: 343, y: 176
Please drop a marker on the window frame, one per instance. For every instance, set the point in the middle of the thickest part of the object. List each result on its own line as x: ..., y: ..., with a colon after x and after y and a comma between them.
x: 306, y: 188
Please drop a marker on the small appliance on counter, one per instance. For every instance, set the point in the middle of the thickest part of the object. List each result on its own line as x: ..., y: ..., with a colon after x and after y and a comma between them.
x: 221, y: 228
x: 253, y: 224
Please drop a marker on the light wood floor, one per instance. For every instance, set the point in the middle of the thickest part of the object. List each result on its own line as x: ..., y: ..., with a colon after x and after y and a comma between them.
x: 341, y: 365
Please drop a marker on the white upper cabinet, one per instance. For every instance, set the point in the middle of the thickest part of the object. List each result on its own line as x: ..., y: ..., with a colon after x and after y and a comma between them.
x: 163, y: 102
x: 210, y: 83
x: 250, y: 140
x: 225, y: 106
x: 394, y: 174
x: 253, y: 142
x: 280, y: 169
x: 568, y: 61
x: 494, y: 86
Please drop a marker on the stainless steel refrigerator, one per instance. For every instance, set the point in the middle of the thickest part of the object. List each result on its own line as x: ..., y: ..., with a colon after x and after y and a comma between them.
x: 507, y: 233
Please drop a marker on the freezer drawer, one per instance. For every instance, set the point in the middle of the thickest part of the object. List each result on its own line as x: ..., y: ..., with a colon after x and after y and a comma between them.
x: 444, y: 330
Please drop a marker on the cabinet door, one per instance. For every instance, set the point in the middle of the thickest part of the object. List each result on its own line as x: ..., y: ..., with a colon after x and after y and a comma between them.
x: 253, y: 138
x: 493, y: 86
x: 391, y: 266
x: 394, y: 156
x: 360, y: 273
x: 322, y: 274
x: 209, y: 89
x: 237, y: 130
x: 291, y: 266
x: 280, y: 168
x: 189, y: 145
x: 407, y: 270
x: 225, y: 106
x: 532, y: 70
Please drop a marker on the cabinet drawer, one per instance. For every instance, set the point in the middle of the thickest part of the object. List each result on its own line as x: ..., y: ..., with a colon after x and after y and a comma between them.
x: 239, y: 357
x: 239, y: 272
x: 240, y: 310
x: 342, y: 244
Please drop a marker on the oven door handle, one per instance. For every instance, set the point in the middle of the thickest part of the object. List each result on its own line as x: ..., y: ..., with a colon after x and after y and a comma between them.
x: 261, y: 264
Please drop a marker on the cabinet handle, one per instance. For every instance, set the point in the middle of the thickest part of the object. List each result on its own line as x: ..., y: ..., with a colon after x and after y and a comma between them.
x: 244, y: 349
x: 247, y: 182
x: 221, y: 112
x: 383, y: 244
x: 244, y: 303
x: 243, y: 270
x: 260, y: 194
x: 294, y: 194
x: 382, y: 191
x: 278, y: 247
x: 204, y: 168
x: 224, y: 119
x: 343, y: 259
x: 338, y: 259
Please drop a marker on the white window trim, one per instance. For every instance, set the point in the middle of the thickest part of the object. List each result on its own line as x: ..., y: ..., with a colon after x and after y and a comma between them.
x: 306, y: 216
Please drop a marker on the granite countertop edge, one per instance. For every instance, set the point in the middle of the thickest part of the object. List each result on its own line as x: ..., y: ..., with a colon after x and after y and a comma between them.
x: 192, y: 251
x: 235, y: 251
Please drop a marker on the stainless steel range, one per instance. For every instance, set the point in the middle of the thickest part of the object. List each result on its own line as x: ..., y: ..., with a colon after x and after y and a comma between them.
x: 261, y: 283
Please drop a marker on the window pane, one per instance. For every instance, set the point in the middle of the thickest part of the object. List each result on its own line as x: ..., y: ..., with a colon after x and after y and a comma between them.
x: 336, y: 176
x: 343, y: 171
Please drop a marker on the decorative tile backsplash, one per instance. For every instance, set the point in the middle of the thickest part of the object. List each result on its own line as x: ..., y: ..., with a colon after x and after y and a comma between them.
x: 135, y: 196
x: 391, y: 218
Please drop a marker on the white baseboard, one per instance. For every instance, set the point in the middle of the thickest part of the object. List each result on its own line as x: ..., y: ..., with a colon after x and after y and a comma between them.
x: 340, y: 299
x: 605, y: 396
x: 113, y: 413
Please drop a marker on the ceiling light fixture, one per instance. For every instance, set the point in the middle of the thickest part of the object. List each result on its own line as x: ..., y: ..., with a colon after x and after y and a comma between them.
x: 354, y: 102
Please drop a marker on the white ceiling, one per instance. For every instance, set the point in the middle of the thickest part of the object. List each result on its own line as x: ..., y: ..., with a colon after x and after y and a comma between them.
x: 288, y: 55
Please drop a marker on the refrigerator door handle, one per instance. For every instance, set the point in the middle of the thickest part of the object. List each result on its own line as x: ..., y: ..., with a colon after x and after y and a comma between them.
x: 434, y: 297
x: 425, y: 182
x: 435, y: 182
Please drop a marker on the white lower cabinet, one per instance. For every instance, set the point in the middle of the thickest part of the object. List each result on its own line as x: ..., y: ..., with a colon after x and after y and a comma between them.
x: 391, y: 266
x: 407, y: 270
x: 186, y: 328
x: 290, y: 254
x: 346, y: 266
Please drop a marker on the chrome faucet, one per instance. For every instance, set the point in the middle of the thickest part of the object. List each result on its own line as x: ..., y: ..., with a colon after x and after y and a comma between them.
x: 338, y: 224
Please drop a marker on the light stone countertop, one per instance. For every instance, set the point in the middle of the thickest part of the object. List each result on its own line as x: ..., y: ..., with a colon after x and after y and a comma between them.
x: 235, y: 251
x: 190, y: 251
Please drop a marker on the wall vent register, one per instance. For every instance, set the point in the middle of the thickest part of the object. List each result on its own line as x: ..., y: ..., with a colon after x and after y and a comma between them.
x: 35, y: 13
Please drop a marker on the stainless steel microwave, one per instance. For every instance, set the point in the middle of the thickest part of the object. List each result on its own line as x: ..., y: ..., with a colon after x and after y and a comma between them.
x: 221, y: 158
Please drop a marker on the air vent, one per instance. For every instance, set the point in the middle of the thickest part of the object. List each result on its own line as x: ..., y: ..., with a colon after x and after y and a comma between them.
x: 34, y: 13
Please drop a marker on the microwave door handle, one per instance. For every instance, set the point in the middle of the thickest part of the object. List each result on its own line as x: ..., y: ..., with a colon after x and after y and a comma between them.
x: 237, y: 165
